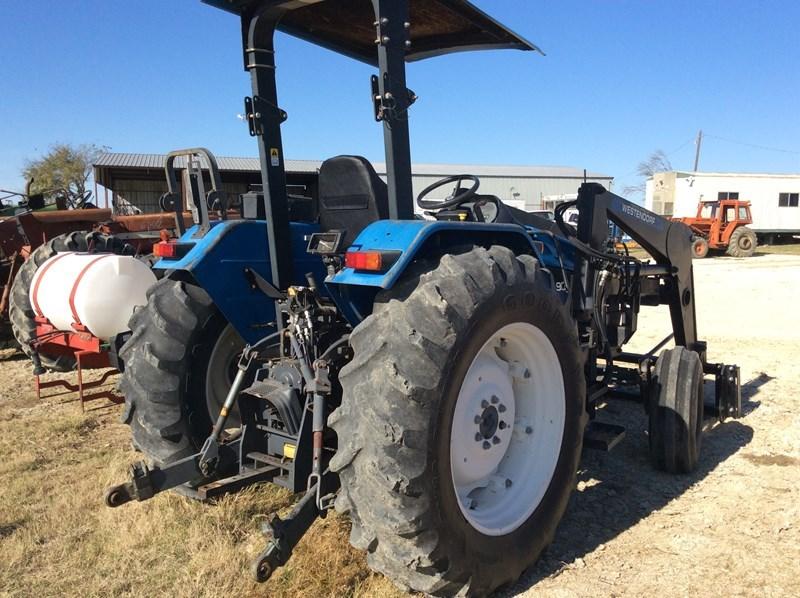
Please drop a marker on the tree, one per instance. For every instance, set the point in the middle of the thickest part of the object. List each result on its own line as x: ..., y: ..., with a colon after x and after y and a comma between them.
x: 62, y: 172
x: 657, y: 162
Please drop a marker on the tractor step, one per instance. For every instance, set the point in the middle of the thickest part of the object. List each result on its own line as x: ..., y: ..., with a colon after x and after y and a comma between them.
x: 601, y: 436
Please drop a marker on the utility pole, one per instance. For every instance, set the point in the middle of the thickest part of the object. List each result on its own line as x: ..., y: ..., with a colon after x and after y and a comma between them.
x: 698, y: 143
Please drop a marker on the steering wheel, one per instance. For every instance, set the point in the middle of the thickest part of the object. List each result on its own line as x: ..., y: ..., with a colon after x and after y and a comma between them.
x: 455, y: 198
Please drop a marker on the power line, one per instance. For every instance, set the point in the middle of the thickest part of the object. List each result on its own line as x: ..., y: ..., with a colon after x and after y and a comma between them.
x: 680, y: 147
x: 754, y: 145
x: 667, y: 154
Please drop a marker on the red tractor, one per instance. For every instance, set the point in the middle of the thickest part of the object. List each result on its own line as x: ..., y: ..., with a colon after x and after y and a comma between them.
x: 722, y: 225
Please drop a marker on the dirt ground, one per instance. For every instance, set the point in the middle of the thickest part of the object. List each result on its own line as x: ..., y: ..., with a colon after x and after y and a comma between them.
x: 732, y: 528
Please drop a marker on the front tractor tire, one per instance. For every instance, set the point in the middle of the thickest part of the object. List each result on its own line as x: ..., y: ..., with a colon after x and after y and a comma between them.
x: 20, y: 310
x: 676, y: 411
x: 461, y: 424
x: 699, y: 247
x: 743, y: 242
x: 179, y: 364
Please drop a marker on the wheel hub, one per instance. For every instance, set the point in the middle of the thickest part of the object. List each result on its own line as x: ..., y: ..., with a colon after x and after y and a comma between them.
x: 488, y: 422
x: 507, y: 427
x: 481, y: 444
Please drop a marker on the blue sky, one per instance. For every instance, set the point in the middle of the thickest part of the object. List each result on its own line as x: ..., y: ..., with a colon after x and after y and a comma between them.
x: 621, y: 79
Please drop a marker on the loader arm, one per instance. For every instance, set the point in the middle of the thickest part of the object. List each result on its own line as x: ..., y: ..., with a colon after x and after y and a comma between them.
x: 668, y: 242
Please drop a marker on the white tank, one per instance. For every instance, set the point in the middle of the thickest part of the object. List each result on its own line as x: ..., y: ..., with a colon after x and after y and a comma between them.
x: 98, y: 290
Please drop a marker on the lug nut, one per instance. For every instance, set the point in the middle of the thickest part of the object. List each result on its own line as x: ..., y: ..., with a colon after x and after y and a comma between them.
x: 502, y: 425
x: 478, y: 419
x: 495, y: 400
x: 529, y: 430
x: 502, y: 408
x: 495, y: 440
x: 486, y: 445
x: 478, y: 437
x: 484, y: 403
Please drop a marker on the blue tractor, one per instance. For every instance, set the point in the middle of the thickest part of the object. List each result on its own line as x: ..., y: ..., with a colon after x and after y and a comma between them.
x: 435, y: 379
x: 180, y: 359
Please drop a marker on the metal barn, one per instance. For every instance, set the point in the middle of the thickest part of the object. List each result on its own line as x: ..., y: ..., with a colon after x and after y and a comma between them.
x: 133, y: 183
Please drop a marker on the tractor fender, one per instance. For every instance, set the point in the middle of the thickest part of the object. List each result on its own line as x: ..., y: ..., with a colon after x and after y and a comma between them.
x: 354, y: 291
x: 217, y: 263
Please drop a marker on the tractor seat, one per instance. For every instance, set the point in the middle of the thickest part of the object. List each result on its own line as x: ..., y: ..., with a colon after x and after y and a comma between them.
x: 351, y: 196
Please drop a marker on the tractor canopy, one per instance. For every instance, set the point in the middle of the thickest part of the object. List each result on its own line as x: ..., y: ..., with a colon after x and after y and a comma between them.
x: 348, y: 26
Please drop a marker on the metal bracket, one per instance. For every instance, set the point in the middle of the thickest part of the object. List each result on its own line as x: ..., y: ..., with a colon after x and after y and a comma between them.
x: 377, y: 101
x: 140, y: 487
x: 322, y: 382
x: 209, y: 456
x: 324, y: 502
x: 255, y: 108
x: 256, y: 281
x: 728, y: 392
x: 384, y: 105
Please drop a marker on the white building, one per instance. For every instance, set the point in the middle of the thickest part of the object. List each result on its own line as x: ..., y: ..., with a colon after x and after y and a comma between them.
x: 774, y: 198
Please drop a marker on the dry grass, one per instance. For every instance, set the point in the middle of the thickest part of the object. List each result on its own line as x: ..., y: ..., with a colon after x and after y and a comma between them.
x: 57, y: 538
x: 784, y: 249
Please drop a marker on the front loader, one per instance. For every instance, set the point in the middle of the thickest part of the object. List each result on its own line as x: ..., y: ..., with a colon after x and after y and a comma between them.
x: 434, y: 379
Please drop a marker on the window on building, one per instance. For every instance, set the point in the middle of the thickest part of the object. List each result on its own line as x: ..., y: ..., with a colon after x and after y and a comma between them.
x: 727, y: 195
x: 788, y: 200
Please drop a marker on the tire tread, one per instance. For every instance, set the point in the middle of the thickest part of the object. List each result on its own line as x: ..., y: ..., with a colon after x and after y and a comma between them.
x: 384, y: 436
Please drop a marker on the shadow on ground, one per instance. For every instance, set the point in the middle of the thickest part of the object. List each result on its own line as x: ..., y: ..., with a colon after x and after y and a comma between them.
x: 11, y: 354
x: 750, y: 389
x: 621, y: 488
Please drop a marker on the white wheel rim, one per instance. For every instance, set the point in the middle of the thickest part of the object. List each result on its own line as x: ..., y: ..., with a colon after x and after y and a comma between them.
x: 507, y: 429
x: 220, y: 374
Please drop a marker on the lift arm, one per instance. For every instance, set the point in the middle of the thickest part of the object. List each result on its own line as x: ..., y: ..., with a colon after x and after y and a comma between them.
x: 667, y: 241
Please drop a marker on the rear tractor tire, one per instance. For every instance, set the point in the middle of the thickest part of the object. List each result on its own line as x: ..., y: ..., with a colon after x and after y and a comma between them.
x: 21, y: 312
x: 461, y: 424
x: 180, y: 362
x: 699, y: 248
x: 743, y: 242
x: 676, y: 411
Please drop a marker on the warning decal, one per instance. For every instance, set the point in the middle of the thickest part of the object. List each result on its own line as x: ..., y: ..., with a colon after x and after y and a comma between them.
x: 274, y: 158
